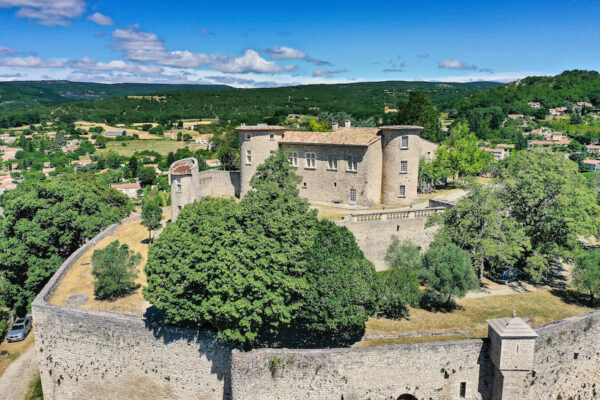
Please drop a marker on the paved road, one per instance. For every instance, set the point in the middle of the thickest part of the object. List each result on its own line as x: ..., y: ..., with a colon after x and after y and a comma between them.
x: 16, y: 377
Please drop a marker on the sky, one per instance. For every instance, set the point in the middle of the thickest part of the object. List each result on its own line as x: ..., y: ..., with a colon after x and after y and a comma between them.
x: 275, y: 43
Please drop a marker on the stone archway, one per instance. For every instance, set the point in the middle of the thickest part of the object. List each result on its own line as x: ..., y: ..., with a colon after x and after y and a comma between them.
x: 407, y: 396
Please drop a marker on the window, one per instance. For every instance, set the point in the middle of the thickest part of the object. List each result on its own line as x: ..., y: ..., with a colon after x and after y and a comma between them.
x: 179, y: 186
x: 248, y: 136
x: 310, y: 160
x: 403, y: 167
x: 402, y: 191
x: 352, y: 196
x: 463, y: 390
x: 332, y: 163
x: 404, y: 143
x: 352, y: 164
x: 272, y: 136
x: 294, y: 159
x: 248, y: 157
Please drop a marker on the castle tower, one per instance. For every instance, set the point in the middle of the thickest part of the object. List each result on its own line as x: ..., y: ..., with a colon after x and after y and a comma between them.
x: 401, y: 152
x: 512, y: 346
x: 256, y: 144
x: 183, y: 178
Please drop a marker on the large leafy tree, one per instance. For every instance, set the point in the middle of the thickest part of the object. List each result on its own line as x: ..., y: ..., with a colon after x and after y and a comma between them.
x: 448, y: 272
x: 151, y: 213
x: 547, y: 196
x: 44, y: 222
x: 341, y: 290
x: 418, y: 110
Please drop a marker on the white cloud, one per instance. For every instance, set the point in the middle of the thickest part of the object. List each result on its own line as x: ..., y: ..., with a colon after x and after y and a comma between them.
x: 91, y: 64
x: 285, y: 53
x: 137, y: 45
x: 327, y: 72
x: 456, y: 64
x: 251, y: 61
x: 101, y: 19
x: 47, y: 12
x: 31, y: 62
x: 6, y: 51
x: 289, y: 53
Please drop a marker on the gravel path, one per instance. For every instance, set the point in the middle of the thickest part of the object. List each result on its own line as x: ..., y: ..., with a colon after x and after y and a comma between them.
x: 15, y: 379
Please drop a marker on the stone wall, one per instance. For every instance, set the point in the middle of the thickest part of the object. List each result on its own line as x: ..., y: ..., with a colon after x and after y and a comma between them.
x: 425, y: 370
x: 215, y: 182
x: 567, y: 360
x: 374, y: 234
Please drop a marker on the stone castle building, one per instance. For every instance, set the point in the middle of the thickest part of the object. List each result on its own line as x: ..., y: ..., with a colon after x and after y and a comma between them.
x: 349, y: 166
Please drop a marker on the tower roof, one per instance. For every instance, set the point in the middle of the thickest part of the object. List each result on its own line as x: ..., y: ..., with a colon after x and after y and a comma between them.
x: 401, y: 128
x: 514, y: 327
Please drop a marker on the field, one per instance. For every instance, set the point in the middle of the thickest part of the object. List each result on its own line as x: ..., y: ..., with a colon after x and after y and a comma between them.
x: 161, y: 146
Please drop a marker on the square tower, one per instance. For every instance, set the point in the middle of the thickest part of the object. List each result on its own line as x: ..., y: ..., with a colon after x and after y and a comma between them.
x: 512, y: 347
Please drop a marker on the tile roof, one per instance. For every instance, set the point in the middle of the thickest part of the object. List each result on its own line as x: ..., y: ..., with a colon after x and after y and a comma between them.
x: 122, y: 186
x: 512, y: 328
x: 340, y: 137
x: 260, y: 128
x: 591, y: 161
x: 400, y: 128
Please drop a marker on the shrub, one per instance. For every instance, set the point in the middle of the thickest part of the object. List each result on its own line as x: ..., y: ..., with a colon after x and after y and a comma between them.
x: 114, y: 271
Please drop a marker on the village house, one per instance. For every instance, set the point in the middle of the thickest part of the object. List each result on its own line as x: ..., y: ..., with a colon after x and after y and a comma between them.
x: 9, y: 153
x: 534, y: 104
x: 594, y: 165
x: 499, y: 153
x: 8, y: 139
x: 557, y: 111
x: 583, y: 104
x: 547, y: 143
x: 592, y: 148
x: 128, y: 189
x: 81, y: 163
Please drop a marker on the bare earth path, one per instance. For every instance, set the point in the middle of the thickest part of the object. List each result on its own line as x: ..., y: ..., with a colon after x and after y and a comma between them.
x: 16, y: 377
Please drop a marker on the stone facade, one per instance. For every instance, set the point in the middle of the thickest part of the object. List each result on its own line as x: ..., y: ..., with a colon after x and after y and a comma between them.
x: 362, y: 167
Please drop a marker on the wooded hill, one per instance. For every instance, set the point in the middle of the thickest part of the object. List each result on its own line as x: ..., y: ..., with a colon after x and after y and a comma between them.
x: 362, y: 100
x: 19, y: 94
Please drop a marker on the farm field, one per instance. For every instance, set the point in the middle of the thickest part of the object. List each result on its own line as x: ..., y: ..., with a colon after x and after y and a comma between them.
x: 161, y: 146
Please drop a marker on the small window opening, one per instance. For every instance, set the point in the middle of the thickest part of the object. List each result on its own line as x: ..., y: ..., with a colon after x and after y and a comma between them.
x: 334, y: 184
x: 575, y: 356
x: 463, y: 390
x: 304, y: 184
x: 397, y: 228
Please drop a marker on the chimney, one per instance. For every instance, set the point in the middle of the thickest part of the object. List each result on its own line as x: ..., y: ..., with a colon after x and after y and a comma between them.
x: 243, y: 124
x: 347, y: 123
x: 334, y: 126
x: 380, y: 121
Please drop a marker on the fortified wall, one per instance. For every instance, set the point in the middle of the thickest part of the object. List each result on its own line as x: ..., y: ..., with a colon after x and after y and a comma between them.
x: 92, y: 355
x: 374, y: 231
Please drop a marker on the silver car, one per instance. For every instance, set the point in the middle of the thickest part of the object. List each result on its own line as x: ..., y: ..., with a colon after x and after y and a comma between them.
x: 19, y: 329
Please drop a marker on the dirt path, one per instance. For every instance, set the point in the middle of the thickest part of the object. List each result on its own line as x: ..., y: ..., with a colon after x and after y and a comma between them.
x: 16, y: 377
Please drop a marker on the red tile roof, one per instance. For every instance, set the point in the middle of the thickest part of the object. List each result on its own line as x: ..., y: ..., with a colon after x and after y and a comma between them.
x: 260, y: 128
x: 340, y: 137
x: 182, y: 169
x: 121, y: 186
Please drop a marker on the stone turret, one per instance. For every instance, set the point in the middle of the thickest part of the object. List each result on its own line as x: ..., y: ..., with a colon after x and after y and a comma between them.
x: 256, y: 144
x: 183, y: 178
x: 512, y: 346
x: 401, y: 152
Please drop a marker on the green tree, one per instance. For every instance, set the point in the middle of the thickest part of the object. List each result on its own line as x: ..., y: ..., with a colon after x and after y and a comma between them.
x: 113, y: 160
x: 133, y: 166
x: 151, y: 214
x: 461, y: 155
x: 147, y: 175
x: 114, y: 271
x: 418, y: 110
x: 315, y: 126
x: 447, y: 270
x: 341, y: 291
x: 44, y: 222
x: 399, y: 284
x: 586, y: 275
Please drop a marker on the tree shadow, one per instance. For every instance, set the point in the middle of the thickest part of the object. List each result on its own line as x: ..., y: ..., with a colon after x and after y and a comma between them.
x: 431, y: 302
x: 573, y: 297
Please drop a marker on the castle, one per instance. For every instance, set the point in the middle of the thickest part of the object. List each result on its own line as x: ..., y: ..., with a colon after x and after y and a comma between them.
x: 351, y: 166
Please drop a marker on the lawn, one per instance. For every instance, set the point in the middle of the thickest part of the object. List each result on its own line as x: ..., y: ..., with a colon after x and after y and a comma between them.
x: 161, y: 146
x: 540, y: 306
x: 79, y: 280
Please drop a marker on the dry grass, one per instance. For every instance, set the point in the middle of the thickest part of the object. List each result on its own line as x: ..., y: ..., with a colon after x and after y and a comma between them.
x: 33, y: 391
x: 14, y: 351
x: 161, y: 146
x: 79, y: 279
x: 541, y: 307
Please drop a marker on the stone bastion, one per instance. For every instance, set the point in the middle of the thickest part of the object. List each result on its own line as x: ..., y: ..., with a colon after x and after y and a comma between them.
x: 86, y: 354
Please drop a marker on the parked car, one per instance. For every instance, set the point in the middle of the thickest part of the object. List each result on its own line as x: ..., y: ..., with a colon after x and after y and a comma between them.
x: 509, y: 274
x: 19, y: 329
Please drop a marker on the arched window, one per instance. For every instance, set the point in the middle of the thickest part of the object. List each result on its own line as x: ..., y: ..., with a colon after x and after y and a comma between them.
x: 407, y: 396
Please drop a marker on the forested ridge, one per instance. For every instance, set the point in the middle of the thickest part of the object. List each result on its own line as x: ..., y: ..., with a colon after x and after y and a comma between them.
x: 363, y: 100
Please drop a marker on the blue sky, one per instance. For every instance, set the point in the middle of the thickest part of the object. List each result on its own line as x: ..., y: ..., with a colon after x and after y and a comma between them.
x: 281, y: 43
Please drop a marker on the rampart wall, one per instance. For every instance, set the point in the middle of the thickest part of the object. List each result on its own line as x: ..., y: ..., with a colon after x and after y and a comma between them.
x: 86, y: 354
x: 216, y: 182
